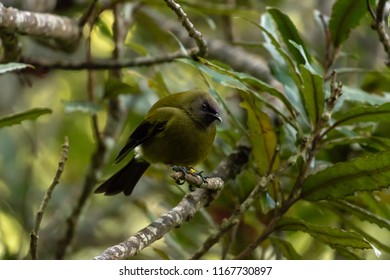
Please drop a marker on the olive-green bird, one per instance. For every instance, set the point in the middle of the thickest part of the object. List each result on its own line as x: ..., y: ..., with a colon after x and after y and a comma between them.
x: 178, y: 130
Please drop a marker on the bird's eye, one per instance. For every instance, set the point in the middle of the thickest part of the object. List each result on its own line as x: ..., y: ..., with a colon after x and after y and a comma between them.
x: 205, y: 106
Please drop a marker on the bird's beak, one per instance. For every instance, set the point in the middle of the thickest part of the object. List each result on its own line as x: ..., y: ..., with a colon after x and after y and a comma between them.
x: 217, y: 117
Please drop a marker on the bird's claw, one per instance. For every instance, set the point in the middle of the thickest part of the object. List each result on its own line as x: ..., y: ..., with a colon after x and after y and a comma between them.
x: 191, y: 171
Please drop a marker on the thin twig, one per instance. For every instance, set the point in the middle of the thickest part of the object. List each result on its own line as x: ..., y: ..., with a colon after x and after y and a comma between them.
x: 34, y: 235
x: 192, y: 31
x: 370, y: 10
x: 380, y: 26
x: 87, y: 14
x: 236, y: 57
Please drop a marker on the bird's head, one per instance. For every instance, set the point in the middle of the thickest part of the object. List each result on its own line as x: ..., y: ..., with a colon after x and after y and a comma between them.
x: 205, y: 109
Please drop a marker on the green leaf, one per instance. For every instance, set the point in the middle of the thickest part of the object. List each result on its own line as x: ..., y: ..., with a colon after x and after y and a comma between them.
x: 346, y: 253
x: 329, y: 235
x: 361, y: 114
x: 242, y: 82
x: 13, y: 66
x: 285, y: 248
x: 313, y: 93
x: 81, y: 106
x: 262, y: 135
x: 275, y: 49
x: 262, y: 86
x: 288, y: 31
x: 377, y: 245
x: 361, y: 213
x: 103, y: 28
x: 375, y: 142
x: 114, y: 87
x: 346, y: 15
x: 342, y: 179
x: 357, y: 95
x: 31, y: 114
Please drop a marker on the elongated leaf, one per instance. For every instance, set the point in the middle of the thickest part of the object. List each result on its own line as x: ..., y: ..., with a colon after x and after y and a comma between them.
x: 357, y: 95
x: 377, y: 245
x: 342, y: 179
x: 362, y: 114
x: 361, y: 213
x: 346, y: 15
x: 267, y: 88
x: 379, y: 143
x: 269, y: 29
x: 288, y: 31
x: 329, y: 235
x: 285, y: 248
x: 276, y: 49
x: 346, y: 253
x: 262, y: 135
x: 27, y: 115
x: 242, y: 82
x: 313, y: 93
x: 12, y: 66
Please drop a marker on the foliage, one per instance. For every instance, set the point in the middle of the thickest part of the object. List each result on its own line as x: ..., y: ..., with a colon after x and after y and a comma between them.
x: 322, y: 136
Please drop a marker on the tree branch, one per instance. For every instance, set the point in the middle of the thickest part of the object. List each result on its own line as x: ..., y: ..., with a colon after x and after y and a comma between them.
x: 62, y: 30
x: 227, y: 170
x: 104, y: 64
x: 236, y: 57
x: 192, y: 32
x: 380, y: 27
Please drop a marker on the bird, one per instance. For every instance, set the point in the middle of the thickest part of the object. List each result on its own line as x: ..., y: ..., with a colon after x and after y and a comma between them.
x: 178, y: 130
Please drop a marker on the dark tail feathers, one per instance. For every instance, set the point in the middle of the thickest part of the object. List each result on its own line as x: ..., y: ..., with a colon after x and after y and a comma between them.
x: 125, y: 179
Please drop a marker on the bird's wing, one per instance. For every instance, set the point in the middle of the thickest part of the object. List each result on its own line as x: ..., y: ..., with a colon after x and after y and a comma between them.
x: 148, y: 128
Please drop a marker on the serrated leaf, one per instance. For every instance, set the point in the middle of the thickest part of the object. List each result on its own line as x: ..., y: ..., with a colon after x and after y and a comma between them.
x: 373, y: 240
x: 346, y: 253
x: 361, y: 114
x: 285, y: 248
x: 31, y: 114
x: 346, y: 15
x: 13, y: 66
x: 288, y: 31
x: 81, y: 106
x: 343, y: 179
x: 262, y: 135
x: 313, y: 93
x: 361, y: 213
x: 329, y: 235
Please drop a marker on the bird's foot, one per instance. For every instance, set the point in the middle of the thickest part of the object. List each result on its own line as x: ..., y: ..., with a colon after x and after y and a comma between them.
x: 191, y: 171
x: 182, y: 169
